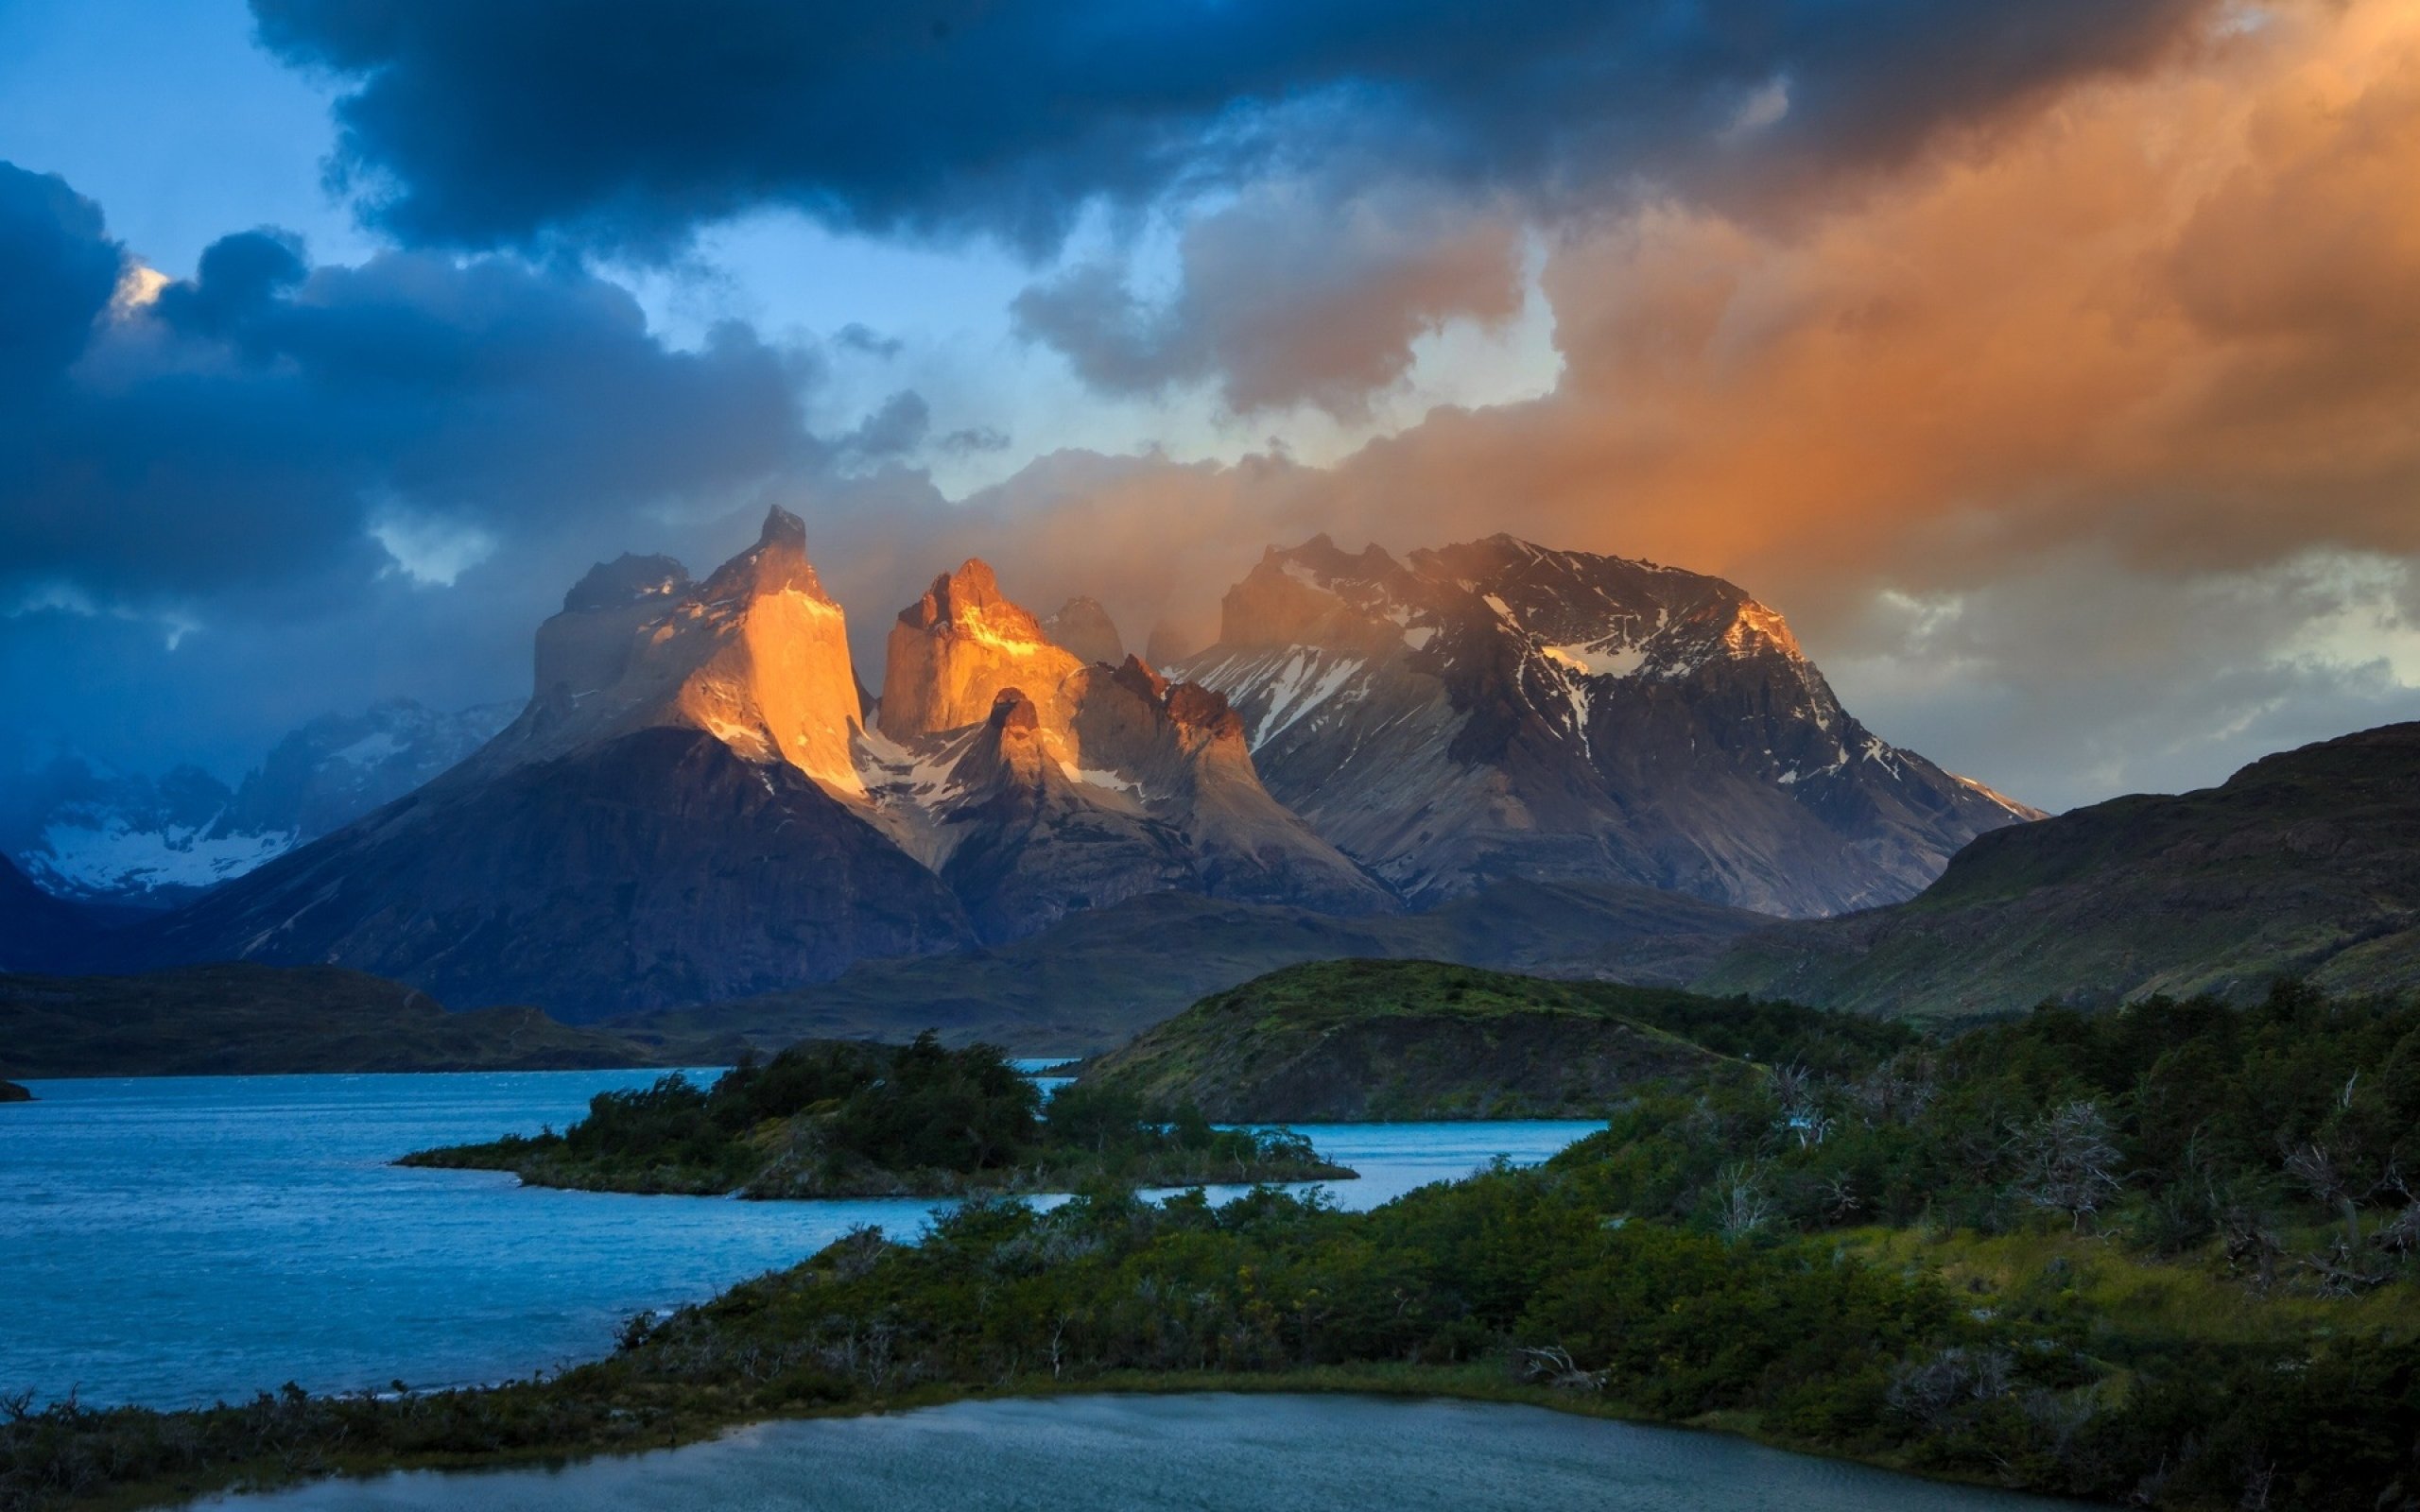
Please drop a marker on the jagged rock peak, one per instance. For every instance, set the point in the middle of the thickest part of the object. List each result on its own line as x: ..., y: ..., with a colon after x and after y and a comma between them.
x: 1012, y: 712
x: 1137, y: 674
x: 627, y: 579
x: 968, y: 597
x: 1195, y: 706
x: 1085, y: 627
x: 960, y: 645
x: 776, y: 564
x: 783, y: 528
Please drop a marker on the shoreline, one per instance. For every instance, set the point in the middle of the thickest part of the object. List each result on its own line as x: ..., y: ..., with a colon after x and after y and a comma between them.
x: 945, y: 1184
x: 1477, y: 1384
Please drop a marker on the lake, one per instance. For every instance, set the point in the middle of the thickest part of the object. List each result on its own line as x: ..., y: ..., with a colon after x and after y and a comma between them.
x: 173, y: 1241
x: 1210, y: 1452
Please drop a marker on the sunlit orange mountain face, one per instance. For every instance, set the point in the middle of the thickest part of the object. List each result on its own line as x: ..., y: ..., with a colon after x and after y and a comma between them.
x: 702, y: 801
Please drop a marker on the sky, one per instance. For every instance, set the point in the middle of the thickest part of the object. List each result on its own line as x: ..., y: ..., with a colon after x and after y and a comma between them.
x: 2054, y: 367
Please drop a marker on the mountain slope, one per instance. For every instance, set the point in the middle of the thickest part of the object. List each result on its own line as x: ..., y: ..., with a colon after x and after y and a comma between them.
x: 1039, y: 784
x: 653, y: 868
x: 130, y: 841
x: 1493, y: 710
x: 2303, y: 864
x: 1093, y: 980
x: 37, y: 930
x: 338, y: 768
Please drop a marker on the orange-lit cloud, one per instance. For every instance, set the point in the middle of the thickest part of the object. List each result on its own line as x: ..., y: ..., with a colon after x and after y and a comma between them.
x: 2155, y: 333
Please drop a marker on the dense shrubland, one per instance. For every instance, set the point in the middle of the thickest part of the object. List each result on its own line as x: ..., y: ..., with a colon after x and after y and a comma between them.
x: 2154, y: 1256
x: 850, y: 1119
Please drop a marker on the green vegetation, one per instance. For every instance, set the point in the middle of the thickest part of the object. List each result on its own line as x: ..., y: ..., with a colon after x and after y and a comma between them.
x: 241, y: 1018
x: 825, y: 1118
x: 1344, y: 1041
x: 2161, y: 1255
x: 2303, y: 864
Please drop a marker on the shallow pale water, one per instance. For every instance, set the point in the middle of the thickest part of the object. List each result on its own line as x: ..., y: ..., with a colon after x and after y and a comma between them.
x: 1204, y: 1454
x: 177, y: 1240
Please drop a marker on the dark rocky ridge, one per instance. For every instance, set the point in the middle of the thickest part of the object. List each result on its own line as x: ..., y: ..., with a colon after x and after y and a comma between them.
x: 2304, y: 864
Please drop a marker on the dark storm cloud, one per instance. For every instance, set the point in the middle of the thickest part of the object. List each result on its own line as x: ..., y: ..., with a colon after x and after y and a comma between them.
x: 1286, y: 296
x: 238, y: 502
x: 263, y: 420
x: 58, y: 269
x: 626, y: 123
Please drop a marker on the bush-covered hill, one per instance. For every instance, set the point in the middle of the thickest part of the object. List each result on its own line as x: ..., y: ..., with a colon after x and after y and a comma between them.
x: 2304, y: 864
x: 1345, y: 1040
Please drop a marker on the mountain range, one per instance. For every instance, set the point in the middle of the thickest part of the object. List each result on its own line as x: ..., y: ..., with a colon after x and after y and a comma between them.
x: 702, y: 801
x: 134, y: 842
x: 1495, y: 709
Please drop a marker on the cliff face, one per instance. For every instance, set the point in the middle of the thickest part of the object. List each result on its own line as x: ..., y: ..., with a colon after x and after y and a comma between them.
x: 953, y: 652
x: 1039, y: 784
x: 756, y: 656
x: 1496, y: 709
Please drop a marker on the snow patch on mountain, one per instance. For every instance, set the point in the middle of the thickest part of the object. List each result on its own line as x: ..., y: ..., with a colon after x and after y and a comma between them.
x: 113, y: 859
x: 1604, y: 658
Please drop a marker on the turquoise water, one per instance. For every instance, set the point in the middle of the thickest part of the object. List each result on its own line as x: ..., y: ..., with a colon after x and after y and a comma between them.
x: 177, y: 1240
x: 1202, y: 1453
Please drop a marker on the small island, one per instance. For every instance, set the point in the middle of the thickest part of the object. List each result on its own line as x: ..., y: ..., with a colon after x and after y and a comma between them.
x: 11, y: 1093
x: 845, y: 1119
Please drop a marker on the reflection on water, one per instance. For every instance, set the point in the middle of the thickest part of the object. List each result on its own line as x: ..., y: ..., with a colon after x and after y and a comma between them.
x: 176, y: 1239
x: 1204, y: 1453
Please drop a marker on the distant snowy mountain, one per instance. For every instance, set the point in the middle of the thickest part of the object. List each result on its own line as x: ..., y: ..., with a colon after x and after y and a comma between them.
x: 1496, y: 710
x: 339, y: 766
x: 98, y: 835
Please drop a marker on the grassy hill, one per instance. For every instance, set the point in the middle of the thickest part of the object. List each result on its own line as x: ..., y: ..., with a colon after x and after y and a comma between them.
x: 261, y: 1019
x: 1344, y: 1041
x: 2303, y: 864
x: 1093, y: 981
